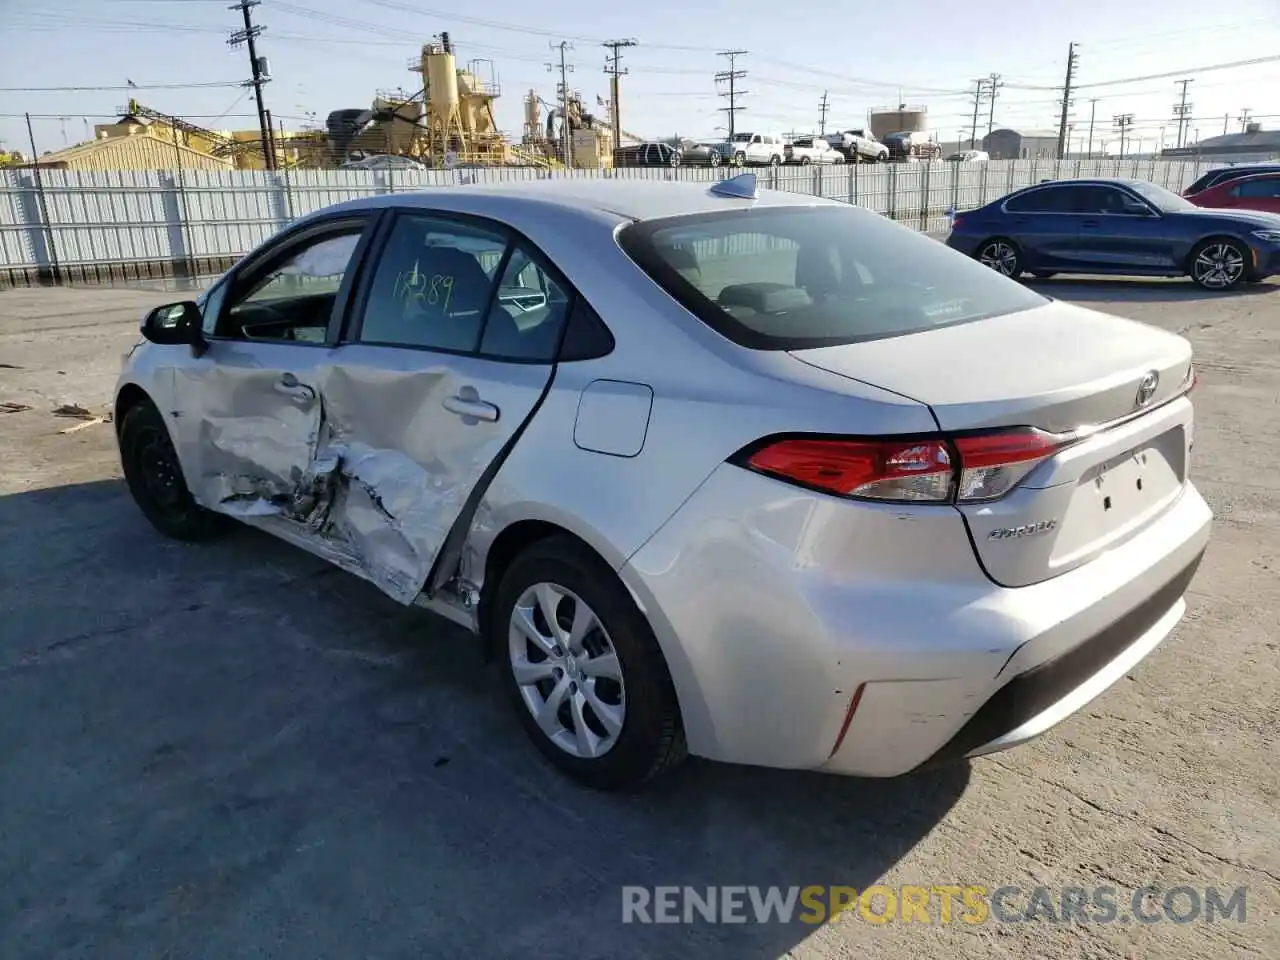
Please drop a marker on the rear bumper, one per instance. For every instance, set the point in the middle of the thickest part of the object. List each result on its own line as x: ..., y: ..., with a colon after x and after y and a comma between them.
x: 775, y: 607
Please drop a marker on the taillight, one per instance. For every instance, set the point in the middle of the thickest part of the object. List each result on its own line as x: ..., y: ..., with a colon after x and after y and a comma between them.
x: 932, y: 469
x: 874, y: 469
x: 992, y: 464
x: 955, y: 222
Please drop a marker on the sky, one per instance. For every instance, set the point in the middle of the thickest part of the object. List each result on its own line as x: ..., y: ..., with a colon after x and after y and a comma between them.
x: 331, y: 54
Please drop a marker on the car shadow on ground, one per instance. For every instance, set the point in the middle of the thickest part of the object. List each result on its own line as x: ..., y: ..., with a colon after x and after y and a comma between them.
x: 231, y: 749
x: 1138, y: 290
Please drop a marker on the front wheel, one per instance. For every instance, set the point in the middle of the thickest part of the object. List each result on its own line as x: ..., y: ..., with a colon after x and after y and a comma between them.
x: 1218, y: 264
x: 1002, y: 256
x: 583, y: 669
x: 154, y: 477
x: 775, y: 160
x: 739, y: 159
x: 714, y: 160
x: 805, y: 161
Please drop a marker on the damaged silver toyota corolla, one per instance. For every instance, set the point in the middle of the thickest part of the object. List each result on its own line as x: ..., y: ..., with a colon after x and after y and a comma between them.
x: 761, y: 476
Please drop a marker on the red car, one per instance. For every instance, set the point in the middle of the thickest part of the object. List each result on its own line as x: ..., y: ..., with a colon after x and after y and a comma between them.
x: 1258, y: 192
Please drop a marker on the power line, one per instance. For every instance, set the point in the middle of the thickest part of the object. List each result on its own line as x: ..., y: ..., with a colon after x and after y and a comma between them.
x: 732, y: 76
x: 130, y: 86
x: 260, y: 74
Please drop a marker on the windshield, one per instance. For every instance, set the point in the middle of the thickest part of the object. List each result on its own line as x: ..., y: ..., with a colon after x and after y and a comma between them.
x: 741, y: 138
x: 787, y: 278
x: 1166, y: 201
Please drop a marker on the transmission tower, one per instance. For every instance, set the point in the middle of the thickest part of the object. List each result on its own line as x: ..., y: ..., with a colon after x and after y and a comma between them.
x: 732, y: 76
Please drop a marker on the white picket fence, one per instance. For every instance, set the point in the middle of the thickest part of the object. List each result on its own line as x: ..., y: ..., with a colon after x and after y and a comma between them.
x: 65, y: 218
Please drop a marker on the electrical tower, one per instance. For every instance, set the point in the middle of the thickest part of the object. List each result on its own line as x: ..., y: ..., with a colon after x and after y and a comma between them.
x: 261, y: 73
x: 979, y: 98
x: 732, y: 76
x: 1123, y: 122
x: 615, y: 71
x: 562, y: 91
x: 1245, y: 114
x: 1182, y: 109
x: 994, y: 83
x: 822, y: 115
x: 1073, y: 61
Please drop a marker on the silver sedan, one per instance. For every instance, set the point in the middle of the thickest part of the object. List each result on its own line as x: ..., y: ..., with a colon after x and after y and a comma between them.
x: 757, y: 476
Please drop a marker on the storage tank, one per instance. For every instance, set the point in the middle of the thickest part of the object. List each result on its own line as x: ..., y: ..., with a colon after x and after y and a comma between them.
x: 902, y: 118
x: 442, y: 79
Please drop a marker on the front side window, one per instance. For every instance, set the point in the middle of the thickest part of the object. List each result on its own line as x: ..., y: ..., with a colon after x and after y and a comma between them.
x: 786, y: 278
x: 294, y: 298
x: 432, y: 285
x: 1258, y: 188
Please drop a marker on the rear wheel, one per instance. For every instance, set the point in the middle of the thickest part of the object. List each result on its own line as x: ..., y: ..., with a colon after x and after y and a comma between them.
x: 775, y: 160
x: 714, y: 159
x: 1002, y: 256
x: 739, y: 159
x: 583, y: 669
x: 154, y: 476
x: 805, y: 161
x: 1218, y: 264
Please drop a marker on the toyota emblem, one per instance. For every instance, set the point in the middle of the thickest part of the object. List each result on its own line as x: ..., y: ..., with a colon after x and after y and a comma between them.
x: 1147, y: 388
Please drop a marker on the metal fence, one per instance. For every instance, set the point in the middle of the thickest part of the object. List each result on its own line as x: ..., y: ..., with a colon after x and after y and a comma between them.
x: 56, y: 223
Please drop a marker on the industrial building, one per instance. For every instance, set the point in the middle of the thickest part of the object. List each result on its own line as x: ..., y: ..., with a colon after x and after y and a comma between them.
x: 882, y: 121
x: 1006, y: 144
x: 1251, y: 146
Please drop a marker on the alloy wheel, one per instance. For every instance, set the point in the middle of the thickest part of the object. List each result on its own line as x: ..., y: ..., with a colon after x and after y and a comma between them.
x: 567, y: 670
x: 1000, y: 256
x: 1218, y: 266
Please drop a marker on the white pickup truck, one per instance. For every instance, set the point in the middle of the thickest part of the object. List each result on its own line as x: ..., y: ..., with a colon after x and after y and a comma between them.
x: 858, y: 146
x: 753, y: 149
x: 807, y: 150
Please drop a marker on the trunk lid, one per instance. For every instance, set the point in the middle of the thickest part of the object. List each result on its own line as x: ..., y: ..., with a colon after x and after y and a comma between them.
x: 1058, y: 368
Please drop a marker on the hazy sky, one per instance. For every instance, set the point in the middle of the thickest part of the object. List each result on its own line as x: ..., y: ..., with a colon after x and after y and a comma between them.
x: 328, y: 54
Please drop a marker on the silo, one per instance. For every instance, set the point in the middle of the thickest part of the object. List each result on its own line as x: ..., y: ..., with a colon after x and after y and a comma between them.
x: 899, y: 119
x: 442, y: 80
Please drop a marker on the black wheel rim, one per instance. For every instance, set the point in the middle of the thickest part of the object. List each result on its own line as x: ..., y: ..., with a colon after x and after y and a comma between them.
x: 158, y: 473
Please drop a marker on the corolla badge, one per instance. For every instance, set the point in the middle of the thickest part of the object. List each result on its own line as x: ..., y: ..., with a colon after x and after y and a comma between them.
x: 1026, y: 530
x: 1147, y: 389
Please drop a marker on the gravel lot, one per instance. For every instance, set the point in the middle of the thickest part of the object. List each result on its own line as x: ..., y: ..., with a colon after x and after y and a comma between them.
x: 234, y: 751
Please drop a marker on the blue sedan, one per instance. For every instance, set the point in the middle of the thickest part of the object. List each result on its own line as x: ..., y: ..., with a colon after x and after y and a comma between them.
x: 1119, y: 227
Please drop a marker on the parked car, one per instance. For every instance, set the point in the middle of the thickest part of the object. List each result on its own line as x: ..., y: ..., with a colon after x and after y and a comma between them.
x: 384, y: 162
x: 909, y: 145
x: 655, y: 153
x: 752, y: 149
x: 807, y: 150
x: 1257, y: 192
x: 859, y: 146
x: 969, y: 156
x: 1123, y: 227
x: 695, y: 154
x: 1223, y: 174
x: 786, y: 542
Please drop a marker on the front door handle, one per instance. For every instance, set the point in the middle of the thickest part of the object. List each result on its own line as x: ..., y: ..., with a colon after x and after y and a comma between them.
x: 290, y: 386
x: 467, y: 404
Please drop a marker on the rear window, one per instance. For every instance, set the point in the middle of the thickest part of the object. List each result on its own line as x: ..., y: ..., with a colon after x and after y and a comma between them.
x: 788, y: 278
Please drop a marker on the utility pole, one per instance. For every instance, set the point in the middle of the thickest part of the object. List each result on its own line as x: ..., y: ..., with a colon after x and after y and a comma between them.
x: 258, y: 66
x: 1093, y: 110
x: 822, y: 115
x: 1182, y: 110
x: 978, y: 94
x: 994, y: 83
x: 611, y: 67
x: 1073, y: 60
x: 732, y: 76
x: 1226, y: 118
x: 566, y: 136
x: 1245, y: 113
x: 1123, y: 121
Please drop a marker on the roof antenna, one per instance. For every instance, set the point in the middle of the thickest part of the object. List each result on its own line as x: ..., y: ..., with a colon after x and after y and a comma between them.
x: 741, y: 187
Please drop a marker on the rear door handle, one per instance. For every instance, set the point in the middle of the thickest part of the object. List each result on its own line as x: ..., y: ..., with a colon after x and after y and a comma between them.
x: 290, y: 386
x: 467, y: 404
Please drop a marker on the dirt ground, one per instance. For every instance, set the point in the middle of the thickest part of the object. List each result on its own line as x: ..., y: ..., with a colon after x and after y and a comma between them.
x: 232, y: 751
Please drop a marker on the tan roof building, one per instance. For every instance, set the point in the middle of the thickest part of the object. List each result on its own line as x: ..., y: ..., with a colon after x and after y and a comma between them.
x: 131, y: 147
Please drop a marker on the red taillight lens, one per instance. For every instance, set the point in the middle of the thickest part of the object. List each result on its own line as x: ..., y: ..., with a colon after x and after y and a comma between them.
x: 955, y: 222
x: 874, y: 469
x: 932, y: 469
x: 992, y: 464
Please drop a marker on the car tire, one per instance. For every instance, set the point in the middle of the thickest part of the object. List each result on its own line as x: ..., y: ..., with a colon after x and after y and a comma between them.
x: 154, y: 477
x: 739, y: 159
x: 805, y: 161
x: 1218, y: 264
x: 713, y: 160
x: 615, y: 734
x: 1002, y: 255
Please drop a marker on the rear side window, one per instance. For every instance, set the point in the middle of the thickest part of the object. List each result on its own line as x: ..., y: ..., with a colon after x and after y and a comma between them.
x: 1258, y: 188
x: 787, y: 278
x: 1047, y: 200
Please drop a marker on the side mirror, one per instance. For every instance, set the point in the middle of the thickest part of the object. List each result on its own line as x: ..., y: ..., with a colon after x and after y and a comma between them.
x: 174, y: 323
